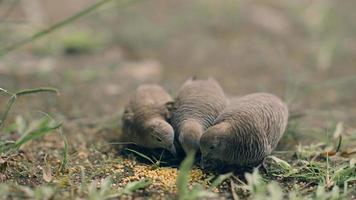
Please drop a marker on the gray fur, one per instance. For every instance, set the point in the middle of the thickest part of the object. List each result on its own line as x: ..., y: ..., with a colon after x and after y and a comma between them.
x: 196, y: 106
x: 247, y: 131
x: 144, y: 119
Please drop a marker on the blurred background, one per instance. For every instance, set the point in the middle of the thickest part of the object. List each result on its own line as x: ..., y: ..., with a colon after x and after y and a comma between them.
x: 303, y: 51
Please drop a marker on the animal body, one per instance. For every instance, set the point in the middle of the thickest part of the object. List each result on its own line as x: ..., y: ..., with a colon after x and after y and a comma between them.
x: 246, y: 132
x: 196, y: 106
x: 145, y: 119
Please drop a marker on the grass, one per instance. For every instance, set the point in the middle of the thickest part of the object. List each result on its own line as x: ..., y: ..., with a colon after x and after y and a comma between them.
x: 155, y: 163
x: 55, y: 27
x: 80, y: 163
x: 71, y: 42
x: 35, y: 130
x: 87, y: 191
x: 14, y: 96
x: 197, y: 191
x: 325, y: 171
x: 79, y: 43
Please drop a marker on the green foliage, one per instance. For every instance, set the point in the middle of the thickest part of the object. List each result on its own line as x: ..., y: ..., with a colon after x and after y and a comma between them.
x: 156, y: 162
x: 325, y: 175
x: 39, y: 128
x: 35, y: 130
x: 259, y: 189
x: 136, y: 185
x: 64, y: 160
x: 106, y: 192
x: 15, y: 95
x: 183, y: 176
x: 323, y: 194
x: 54, y: 27
x: 183, y: 182
x: 79, y: 42
x: 88, y: 191
x: 316, y: 172
x: 220, y: 179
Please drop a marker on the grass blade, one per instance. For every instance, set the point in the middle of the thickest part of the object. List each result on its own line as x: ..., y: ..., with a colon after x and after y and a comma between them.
x: 141, y: 155
x: 13, y: 98
x: 65, y: 151
x: 134, y: 186
x: 221, y: 178
x: 54, y: 27
x: 3, y: 90
x: 183, y: 176
x: 44, y: 127
x: 8, y: 107
x: 6, y: 146
x: 37, y: 90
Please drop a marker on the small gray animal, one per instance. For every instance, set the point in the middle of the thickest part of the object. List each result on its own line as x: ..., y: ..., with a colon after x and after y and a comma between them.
x: 145, y: 119
x: 246, y: 132
x: 196, y: 106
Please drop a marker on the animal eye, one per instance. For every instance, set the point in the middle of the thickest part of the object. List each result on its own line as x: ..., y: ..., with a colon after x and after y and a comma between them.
x: 158, y: 139
x: 211, y: 147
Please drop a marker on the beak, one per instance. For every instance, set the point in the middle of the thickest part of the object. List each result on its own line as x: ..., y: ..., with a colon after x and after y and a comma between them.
x: 172, y: 150
x: 206, y: 163
x: 202, y: 162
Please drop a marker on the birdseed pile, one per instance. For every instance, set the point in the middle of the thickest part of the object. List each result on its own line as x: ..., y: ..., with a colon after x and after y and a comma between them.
x: 163, y: 178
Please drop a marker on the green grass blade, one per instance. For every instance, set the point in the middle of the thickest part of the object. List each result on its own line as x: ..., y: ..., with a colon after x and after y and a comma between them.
x: 44, y: 127
x: 221, y: 178
x: 65, y: 151
x: 6, y: 146
x: 13, y: 98
x: 281, y: 164
x: 8, y: 107
x: 37, y: 90
x: 183, y: 176
x: 134, y: 186
x: 141, y: 155
x: 6, y: 92
x: 54, y: 27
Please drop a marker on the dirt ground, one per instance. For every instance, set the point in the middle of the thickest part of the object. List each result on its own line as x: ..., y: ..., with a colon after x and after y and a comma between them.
x: 302, y: 51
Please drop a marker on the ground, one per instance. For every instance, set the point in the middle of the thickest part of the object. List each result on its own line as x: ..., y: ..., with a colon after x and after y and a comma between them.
x: 304, y: 52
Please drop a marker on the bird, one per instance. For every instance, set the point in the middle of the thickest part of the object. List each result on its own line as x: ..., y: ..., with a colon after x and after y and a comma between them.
x: 245, y: 133
x: 145, y: 119
x: 197, y: 104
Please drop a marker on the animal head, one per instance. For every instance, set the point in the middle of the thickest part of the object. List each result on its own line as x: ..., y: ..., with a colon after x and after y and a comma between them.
x: 160, y: 134
x: 214, y: 143
x: 189, y: 135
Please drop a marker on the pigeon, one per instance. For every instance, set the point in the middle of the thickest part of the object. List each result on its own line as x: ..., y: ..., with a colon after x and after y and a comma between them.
x: 145, y: 119
x: 245, y: 133
x: 195, y: 108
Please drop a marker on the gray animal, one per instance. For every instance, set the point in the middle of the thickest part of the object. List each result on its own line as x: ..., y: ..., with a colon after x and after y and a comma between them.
x: 196, y: 106
x: 246, y: 132
x: 145, y: 119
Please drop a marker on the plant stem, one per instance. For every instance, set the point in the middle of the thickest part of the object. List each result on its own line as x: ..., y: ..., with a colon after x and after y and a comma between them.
x: 54, y: 27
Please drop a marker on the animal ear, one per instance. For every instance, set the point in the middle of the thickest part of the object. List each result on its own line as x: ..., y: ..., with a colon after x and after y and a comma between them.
x: 128, y: 116
x: 170, y: 107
